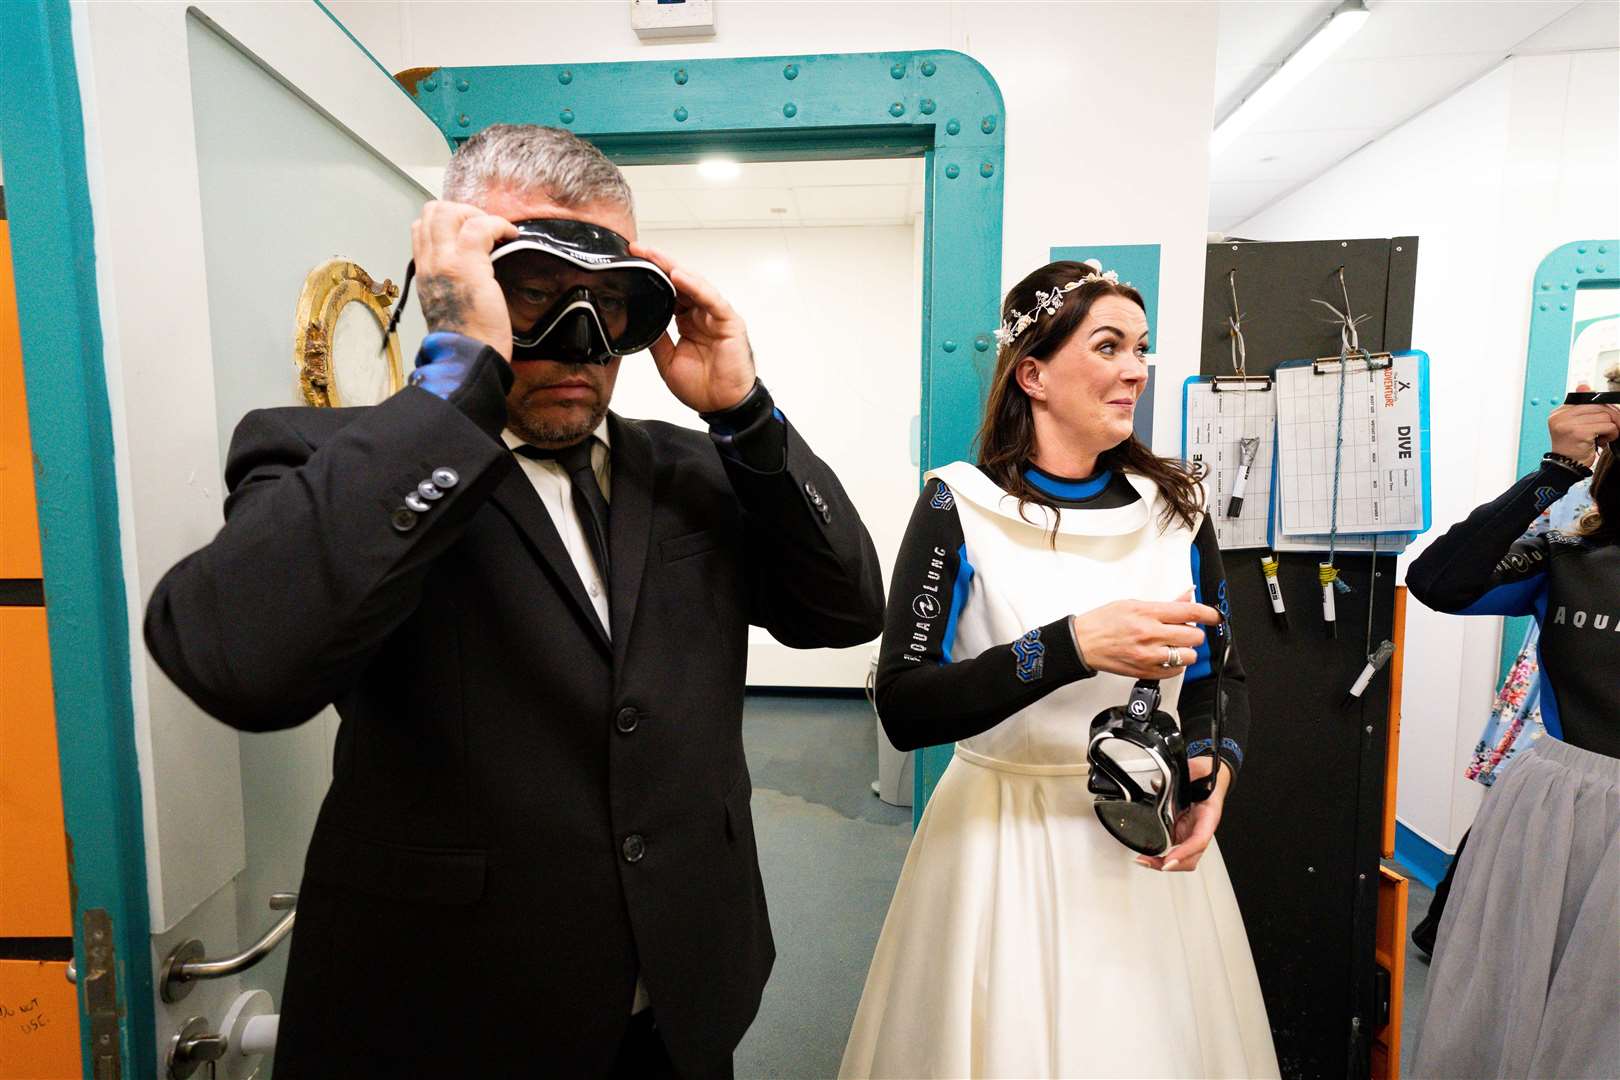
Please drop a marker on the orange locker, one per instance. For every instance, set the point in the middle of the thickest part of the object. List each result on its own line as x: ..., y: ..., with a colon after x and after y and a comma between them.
x: 19, y: 525
x: 39, y: 1021
x: 33, y: 846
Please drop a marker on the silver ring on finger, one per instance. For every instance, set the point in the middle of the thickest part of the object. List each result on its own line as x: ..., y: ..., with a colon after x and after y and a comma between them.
x: 1172, y: 658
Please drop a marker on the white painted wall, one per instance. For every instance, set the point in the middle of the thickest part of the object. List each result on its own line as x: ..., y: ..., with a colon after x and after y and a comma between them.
x: 1490, y: 180
x: 169, y: 339
x: 1109, y: 106
x: 834, y: 316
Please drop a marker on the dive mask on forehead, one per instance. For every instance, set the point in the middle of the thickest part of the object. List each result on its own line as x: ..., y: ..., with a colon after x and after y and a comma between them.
x: 577, y: 295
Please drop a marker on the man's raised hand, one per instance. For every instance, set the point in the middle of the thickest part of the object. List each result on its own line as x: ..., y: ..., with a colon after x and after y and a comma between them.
x: 455, y: 279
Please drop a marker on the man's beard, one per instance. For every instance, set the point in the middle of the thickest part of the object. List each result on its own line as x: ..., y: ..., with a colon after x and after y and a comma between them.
x: 539, y: 432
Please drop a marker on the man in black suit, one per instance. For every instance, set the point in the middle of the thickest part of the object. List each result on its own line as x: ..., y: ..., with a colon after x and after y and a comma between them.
x: 536, y: 856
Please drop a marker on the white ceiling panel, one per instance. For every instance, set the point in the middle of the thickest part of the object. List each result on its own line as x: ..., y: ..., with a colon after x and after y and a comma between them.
x: 1407, y: 57
x: 1265, y: 31
x: 780, y: 194
x: 1373, y: 93
x: 1592, y: 25
x: 1289, y: 157
x: 1232, y: 203
x: 661, y: 208
x: 1233, y: 84
x: 865, y: 202
x: 1400, y: 28
x: 730, y: 204
x: 783, y: 174
x: 1255, y: 38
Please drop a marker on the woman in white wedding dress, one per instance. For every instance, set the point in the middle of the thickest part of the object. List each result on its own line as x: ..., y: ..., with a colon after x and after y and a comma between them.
x: 1031, y: 591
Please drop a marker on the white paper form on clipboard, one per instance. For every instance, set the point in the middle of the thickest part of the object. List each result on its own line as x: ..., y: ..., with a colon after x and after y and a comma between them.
x: 1217, y: 417
x: 1382, y: 461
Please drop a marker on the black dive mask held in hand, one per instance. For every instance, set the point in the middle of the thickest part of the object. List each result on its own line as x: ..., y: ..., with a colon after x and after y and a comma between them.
x: 1139, y: 769
x: 575, y: 293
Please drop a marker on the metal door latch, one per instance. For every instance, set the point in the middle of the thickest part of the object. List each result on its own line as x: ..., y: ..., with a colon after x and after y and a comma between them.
x: 194, y: 1046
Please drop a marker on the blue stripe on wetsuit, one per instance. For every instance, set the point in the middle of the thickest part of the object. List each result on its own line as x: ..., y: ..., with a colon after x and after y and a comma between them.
x: 959, y: 595
x: 1526, y: 597
x: 1548, y: 699
x: 1200, y: 668
x: 1069, y: 489
x: 1514, y: 598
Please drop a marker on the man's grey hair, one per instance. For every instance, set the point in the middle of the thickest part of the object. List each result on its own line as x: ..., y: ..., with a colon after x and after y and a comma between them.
x: 529, y: 158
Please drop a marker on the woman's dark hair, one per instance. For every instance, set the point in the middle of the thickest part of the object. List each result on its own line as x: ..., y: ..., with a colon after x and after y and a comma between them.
x: 1006, y: 438
x: 1602, y: 521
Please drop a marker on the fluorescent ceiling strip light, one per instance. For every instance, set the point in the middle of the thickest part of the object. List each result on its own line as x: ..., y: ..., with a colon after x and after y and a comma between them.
x: 1346, y: 19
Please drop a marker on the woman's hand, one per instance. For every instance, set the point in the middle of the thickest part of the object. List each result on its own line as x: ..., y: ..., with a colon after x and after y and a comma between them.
x: 1195, y: 826
x: 712, y: 367
x: 1578, y: 430
x: 455, y: 279
x: 1136, y: 637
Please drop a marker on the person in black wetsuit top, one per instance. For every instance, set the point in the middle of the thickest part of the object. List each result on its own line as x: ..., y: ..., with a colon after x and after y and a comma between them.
x: 1526, y: 975
x: 1034, y: 587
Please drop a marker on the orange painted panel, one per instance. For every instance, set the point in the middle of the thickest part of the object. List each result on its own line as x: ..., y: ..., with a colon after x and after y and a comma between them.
x: 19, y: 518
x: 39, y: 1022
x: 1389, y: 951
x: 1392, y: 747
x: 33, y: 847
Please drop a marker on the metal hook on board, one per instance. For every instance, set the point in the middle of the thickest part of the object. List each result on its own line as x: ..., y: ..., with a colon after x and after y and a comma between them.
x: 1234, y: 323
x: 1349, y: 337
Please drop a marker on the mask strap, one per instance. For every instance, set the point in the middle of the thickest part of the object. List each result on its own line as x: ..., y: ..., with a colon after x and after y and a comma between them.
x: 1206, y: 787
x: 399, y: 308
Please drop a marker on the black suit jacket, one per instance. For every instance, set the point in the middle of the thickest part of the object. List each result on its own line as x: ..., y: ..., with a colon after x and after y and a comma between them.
x: 523, y: 814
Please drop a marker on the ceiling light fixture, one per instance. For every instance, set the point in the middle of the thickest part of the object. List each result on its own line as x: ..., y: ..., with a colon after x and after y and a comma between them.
x: 1346, y: 19
x: 719, y: 169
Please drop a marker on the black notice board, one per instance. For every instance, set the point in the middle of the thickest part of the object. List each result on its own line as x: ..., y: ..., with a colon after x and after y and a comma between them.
x: 1302, y: 831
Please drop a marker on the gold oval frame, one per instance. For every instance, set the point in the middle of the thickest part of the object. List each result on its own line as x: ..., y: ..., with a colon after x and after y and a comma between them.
x: 328, y: 289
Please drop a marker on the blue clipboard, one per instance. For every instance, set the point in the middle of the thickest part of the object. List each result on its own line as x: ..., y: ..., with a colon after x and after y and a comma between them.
x: 1387, y: 541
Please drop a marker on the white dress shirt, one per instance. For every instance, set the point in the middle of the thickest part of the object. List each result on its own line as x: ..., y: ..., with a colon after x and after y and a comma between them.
x: 551, y: 483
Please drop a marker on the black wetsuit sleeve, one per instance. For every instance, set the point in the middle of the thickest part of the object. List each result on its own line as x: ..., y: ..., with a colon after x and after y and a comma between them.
x: 925, y: 694
x: 1197, y: 704
x: 1480, y: 566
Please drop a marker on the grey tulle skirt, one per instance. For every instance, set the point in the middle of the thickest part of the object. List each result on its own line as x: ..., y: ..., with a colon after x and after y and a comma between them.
x: 1526, y: 973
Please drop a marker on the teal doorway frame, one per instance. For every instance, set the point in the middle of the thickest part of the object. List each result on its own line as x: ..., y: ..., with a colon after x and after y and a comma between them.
x: 86, y: 611
x: 942, y: 106
x: 1579, y: 264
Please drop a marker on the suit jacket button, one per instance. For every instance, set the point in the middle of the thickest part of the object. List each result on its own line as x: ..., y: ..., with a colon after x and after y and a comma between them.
x: 810, y: 490
x: 445, y: 477
x: 415, y: 502
x: 429, y: 491
x: 633, y: 848
x: 404, y: 519
x: 627, y: 720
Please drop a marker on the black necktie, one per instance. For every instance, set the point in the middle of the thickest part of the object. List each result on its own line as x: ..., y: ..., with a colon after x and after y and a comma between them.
x: 589, y: 504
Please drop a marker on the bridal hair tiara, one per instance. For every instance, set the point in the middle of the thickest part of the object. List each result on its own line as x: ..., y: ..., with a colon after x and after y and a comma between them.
x: 1048, y: 302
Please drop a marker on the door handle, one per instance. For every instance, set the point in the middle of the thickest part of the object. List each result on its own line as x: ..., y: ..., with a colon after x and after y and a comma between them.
x: 186, y: 962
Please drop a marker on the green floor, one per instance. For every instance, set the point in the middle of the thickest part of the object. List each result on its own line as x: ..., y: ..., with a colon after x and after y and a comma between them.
x: 830, y: 852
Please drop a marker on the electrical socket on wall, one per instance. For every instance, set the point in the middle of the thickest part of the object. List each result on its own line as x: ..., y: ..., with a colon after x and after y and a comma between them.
x: 672, y: 18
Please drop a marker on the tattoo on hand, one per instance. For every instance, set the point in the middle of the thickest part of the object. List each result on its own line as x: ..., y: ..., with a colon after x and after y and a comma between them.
x: 444, y: 302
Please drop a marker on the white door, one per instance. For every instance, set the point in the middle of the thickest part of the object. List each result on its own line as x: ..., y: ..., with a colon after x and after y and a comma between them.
x: 231, y: 147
